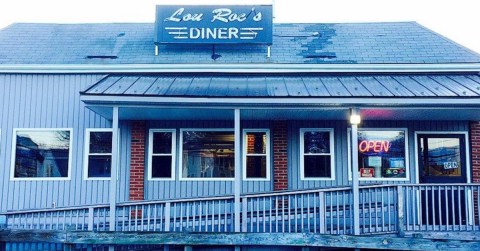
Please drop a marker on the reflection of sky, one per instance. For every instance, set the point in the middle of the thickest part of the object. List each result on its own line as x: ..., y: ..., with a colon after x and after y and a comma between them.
x: 434, y: 143
x: 380, y: 135
x: 48, y: 139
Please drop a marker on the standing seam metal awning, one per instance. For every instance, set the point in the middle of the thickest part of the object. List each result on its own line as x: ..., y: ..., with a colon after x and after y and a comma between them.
x: 276, y: 86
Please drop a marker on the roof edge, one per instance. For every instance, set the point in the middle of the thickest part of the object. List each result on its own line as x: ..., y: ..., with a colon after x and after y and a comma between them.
x: 239, y: 68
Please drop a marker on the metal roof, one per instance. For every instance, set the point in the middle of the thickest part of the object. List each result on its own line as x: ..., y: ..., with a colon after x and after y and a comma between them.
x: 132, y: 43
x: 284, y: 86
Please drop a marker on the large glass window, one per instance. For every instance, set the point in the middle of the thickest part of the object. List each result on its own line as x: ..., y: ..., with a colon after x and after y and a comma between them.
x: 207, y: 154
x: 256, y: 154
x: 98, y: 153
x: 382, y: 154
x: 42, y: 153
x: 316, y: 154
x: 161, y: 157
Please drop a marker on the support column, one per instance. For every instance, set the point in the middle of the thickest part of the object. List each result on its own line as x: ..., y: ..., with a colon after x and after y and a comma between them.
x: 355, y: 183
x: 114, y: 170
x: 238, y: 171
x: 280, y: 158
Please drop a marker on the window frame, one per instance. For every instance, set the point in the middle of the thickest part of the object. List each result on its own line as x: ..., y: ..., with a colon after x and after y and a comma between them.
x: 468, y: 167
x: 173, y: 154
x: 332, y: 154
x: 180, y: 161
x: 13, y: 154
x: 245, y: 154
x: 407, y: 155
x: 87, y: 153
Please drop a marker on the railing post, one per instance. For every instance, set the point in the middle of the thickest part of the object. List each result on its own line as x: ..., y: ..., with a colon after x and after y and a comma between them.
x: 244, y: 214
x: 90, y: 218
x: 355, y: 182
x: 321, y: 198
x: 401, y: 212
x: 113, y: 170
x: 237, y: 188
x: 167, y: 217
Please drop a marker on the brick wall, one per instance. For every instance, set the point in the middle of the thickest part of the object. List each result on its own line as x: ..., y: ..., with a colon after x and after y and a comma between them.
x: 475, y: 151
x: 137, y: 160
x: 280, y: 172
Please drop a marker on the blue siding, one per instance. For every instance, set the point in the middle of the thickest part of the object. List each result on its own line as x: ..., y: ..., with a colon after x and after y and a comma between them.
x: 51, y: 101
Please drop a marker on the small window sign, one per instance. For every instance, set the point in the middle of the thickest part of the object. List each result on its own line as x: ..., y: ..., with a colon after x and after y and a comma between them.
x: 450, y: 165
x: 239, y: 24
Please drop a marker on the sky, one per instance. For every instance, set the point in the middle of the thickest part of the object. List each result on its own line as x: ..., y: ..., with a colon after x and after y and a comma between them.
x: 458, y: 20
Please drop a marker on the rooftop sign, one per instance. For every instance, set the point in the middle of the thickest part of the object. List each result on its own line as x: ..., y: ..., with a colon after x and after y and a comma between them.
x: 237, y: 24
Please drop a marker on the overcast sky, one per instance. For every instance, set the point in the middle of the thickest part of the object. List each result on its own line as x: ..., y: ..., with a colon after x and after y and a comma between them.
x: 456, y: 19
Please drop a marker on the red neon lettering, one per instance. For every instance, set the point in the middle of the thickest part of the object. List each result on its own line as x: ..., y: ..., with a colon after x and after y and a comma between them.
x: 374, y: 145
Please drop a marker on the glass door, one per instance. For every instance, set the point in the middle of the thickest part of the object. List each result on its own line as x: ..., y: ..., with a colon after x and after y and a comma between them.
x: 442, y: 160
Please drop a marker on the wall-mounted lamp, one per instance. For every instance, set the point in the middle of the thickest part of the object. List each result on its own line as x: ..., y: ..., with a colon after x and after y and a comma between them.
x: 355, y: 118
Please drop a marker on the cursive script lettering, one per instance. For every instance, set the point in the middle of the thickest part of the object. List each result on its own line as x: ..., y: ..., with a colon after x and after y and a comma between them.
x: 178, y: 16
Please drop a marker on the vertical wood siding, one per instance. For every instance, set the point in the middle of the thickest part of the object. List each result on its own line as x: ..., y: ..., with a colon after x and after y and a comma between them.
x: 51, y: 101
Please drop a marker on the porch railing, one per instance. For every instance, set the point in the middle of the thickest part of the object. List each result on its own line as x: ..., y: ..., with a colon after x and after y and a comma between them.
x: 382, y: 209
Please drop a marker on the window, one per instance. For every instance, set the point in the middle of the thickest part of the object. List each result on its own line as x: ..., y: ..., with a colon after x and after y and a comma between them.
x: 256, y: 160
x: 382, y: 154
x: 207, y: 154
x: 316, y: 154
x: 41, y: 154
x: 98, y: 153
x: 161, y: 157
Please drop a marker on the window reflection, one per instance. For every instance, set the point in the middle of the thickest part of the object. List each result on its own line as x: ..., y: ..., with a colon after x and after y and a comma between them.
x: 208, y: 154
x: 42, y: 153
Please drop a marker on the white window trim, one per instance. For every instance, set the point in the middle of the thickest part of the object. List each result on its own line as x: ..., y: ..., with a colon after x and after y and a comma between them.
x: 407, y: 155
x: 244, y: 154
x: 87, y: 153
x: 14, y: 146
x: 150, y: 153
x: 180, y: 164
x: 332, y: 153
x: 467, y: 151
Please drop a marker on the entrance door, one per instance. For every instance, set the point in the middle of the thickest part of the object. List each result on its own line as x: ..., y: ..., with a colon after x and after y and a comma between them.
x: 442, y: 160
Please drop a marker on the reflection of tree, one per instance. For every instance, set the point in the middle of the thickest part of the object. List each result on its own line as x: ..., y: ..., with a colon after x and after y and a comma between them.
x: 63, y: 138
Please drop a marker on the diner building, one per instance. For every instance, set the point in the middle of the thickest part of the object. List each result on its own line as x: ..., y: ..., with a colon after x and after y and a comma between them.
x: 215, y: 128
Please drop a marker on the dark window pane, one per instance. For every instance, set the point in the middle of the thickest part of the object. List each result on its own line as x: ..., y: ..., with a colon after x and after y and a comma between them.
x: 162, y: 142
x: 381, y: 154
x: 161, y: 166
x: 42, y: 154
x: 99, y: 166
x: 316, y: 142
x: 256, y: 166
x: 257, y: 142
x: 444, y: 158
x: 316, y: 166
x: 208, y: 154
x: 100, y: 142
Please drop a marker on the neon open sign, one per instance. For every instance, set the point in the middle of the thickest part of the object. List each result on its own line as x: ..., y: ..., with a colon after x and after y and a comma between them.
x: 374, y: 146
x: 213, y: 24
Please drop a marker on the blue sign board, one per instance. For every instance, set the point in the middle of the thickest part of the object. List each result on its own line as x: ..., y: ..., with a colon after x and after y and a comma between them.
x: 237, y: 24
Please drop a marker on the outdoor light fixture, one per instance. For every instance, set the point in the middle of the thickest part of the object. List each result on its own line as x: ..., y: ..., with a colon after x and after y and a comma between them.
x: 355, y: 118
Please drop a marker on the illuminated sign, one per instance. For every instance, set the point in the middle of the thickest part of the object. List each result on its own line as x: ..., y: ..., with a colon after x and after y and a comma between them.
x: 214, y: 24
x: 374, y: 145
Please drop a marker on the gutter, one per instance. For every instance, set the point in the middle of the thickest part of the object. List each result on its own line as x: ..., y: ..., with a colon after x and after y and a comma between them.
x: 239, y: 68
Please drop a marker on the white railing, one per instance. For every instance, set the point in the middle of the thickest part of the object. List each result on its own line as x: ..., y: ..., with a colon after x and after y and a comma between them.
x: 316, y: 211
x: 192, y: 215
x: 378, y: 209
x: 441, y: 208
x: 382, y: 209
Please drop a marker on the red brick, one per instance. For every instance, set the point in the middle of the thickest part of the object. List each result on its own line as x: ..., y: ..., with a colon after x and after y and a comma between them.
x: 280, y: 159
x: 137, y: 161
